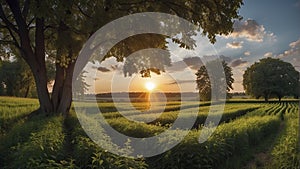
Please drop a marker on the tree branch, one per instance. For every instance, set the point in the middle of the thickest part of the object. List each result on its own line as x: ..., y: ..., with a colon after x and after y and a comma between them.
x: 6, y: 21
x: 23, y: 32
x: 81, y: 11
x: 16, y: 43
x: 25, y: 8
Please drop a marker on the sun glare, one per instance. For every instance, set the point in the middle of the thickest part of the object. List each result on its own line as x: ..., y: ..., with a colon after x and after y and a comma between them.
x: 150, y: 86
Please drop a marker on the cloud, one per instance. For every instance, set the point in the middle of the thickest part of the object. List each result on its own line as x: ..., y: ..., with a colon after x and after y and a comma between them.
x: 293, y: 51
x: 238, y: 62
x: 225, y: 58
x: 247, y: 53
x: 268, y: 54
x: 292, y: 55
x: 193, y: 63
x: 235, y: 45
x: 295, y: 44
x: 103, y: 69
x: 180, y: 82
x: 250, y: 30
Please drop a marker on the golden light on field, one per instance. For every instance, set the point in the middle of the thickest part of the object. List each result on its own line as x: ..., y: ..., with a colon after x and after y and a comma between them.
x: 150, y: 85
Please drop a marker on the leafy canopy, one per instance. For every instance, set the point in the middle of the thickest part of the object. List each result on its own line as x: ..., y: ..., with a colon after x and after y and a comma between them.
x: 68, y: 24
x: 211, y: 77
x: 269, y: 77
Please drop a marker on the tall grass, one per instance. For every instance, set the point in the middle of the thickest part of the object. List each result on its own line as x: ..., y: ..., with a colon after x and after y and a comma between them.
x: 285, y: 153
x: 237, y: 137
x: 14, y: 109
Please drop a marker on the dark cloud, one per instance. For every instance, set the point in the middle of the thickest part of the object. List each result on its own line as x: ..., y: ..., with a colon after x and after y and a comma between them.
x: 250, y: 30
x: 103, y: 69
x: 237, y: 62
x: 225, y: 58
x: 193, y: 63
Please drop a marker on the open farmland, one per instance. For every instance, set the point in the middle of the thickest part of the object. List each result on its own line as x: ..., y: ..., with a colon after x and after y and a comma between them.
x: 248, y: 130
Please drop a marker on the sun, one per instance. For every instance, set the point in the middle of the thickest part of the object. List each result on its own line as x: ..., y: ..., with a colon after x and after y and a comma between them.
x: 150, y: 86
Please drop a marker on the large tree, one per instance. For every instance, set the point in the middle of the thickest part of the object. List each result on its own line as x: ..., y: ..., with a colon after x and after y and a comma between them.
x: 211, y: 77
x: 269, y: 77
x: 58, y: 29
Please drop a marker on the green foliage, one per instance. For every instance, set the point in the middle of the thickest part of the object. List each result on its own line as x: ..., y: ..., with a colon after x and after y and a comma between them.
x: 13, y: 109
x: 54, y: 142
x: 271, y: 76
x: 30, y: 139
x: 236, y: 137
x: 230, y: 113
x: 16, y: 79
x: 276, y: 109
x: 41, y: 147
x: 285, y: 153
x: 60, y: 28
x: 210, y: 79
x: 88, y: 154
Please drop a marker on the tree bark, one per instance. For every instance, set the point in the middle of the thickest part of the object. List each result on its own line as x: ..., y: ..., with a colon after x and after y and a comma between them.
x: 34, y: 57
x: 58, y: 86
x: 66, y: 97
x: 42, y: 91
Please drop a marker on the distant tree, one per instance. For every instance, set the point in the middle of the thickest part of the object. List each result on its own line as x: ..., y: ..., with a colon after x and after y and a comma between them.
x: 16, y: 79
x: 269, y: 77
x: 60, y: 28
x: 206, y: 83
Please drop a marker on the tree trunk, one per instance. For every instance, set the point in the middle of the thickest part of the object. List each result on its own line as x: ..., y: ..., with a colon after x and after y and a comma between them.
x: 266, y: 98
x: 42, y: 91
x: 34, y: 55
x: 66, y: 97
x: 27, y: 91
x: 58, y: 86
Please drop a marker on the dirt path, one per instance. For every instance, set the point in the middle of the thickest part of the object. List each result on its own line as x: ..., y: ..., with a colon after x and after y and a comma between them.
x: 262, y: 155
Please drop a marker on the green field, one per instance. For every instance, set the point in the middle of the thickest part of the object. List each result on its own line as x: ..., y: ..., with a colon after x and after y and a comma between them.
x: 251, y: 134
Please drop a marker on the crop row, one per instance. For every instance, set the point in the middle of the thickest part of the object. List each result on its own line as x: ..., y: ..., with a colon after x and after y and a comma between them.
x: 173, y: 107
x: 234, y: 138
x: 87, y: 154
x: 227, y: 116
x: 168, y: 118
x: 280, y: 109
x: 285, y: 153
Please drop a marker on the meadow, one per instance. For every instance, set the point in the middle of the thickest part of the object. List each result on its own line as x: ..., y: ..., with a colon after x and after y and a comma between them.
x: 251, y: 134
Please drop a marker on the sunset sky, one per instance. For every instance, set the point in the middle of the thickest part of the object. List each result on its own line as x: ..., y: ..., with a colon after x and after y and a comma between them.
x: 269, y: 28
